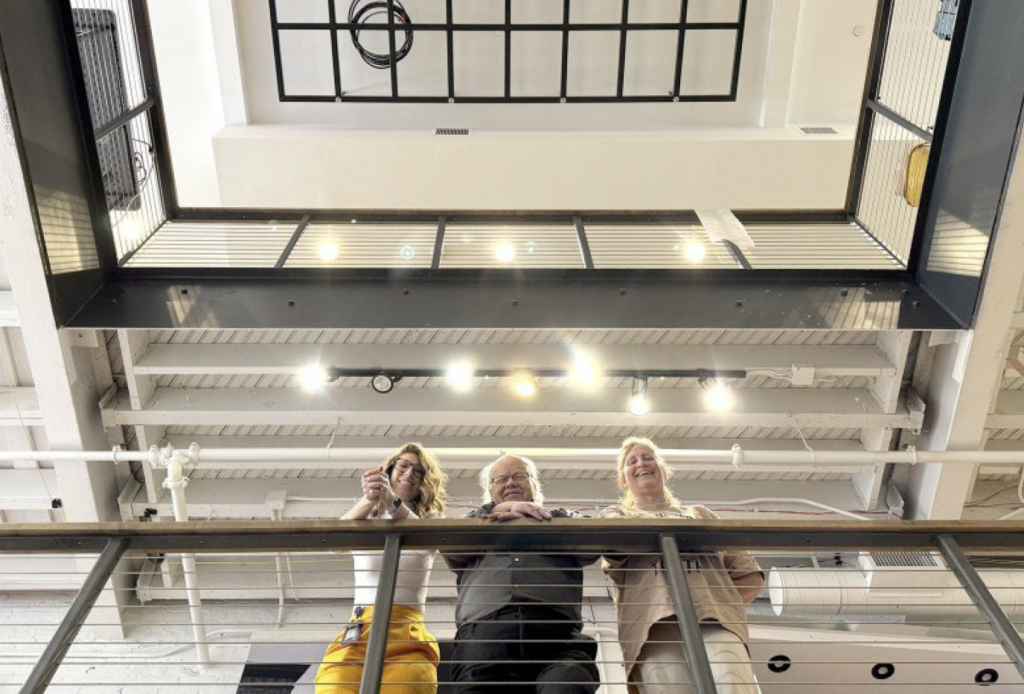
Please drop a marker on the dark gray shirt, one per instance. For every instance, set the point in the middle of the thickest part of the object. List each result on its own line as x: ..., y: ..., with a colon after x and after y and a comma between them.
x: 491, y: 582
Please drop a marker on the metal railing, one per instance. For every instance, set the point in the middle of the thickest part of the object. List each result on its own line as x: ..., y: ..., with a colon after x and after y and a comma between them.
x: 835, y: 593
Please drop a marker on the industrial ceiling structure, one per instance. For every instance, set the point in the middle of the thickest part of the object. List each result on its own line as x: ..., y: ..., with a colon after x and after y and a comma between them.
x: 788, y: 225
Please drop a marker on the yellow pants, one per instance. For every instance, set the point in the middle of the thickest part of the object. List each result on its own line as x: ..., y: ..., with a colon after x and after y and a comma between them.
x: 410, y: 661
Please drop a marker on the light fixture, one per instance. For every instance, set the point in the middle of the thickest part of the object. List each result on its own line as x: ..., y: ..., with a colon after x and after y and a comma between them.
x: 506, y: 253
x: 313, y: 377
x: 638, y: 403
x: 718, y: 397
x: 523, y: 385
x: 384, y: 383
x: 460, y: 377
x: 407, y: 252
x: 328, y: 251
x: 583, y: 372
x: 131, y: 230
x: 695, y: 251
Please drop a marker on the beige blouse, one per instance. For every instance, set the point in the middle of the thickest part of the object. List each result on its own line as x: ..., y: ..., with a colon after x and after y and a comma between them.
x: 642, y: 598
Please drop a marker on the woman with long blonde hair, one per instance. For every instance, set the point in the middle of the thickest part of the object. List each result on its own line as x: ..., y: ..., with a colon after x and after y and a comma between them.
x: 721, y: 583
x: 409, y: 485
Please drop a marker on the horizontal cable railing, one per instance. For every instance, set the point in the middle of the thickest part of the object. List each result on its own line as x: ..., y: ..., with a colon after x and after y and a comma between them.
x: 298, y: 605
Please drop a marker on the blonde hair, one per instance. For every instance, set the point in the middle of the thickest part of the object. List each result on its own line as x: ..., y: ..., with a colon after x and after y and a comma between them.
x: 531, y: 468
x: 432, y: 498
x: 667, y: 472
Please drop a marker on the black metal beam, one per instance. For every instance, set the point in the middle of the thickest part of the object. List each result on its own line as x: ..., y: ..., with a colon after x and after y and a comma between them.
x: 563, y: 90
x: 435, y: 261
x: 620, y: 81
x: 497, y: 298
x: 450, y: 46
x: 296, y: 235
x: 335, y: 59
x: 391, y: 47
x: 275, y: 34
x: 463, y: 99
x: 514, y: 27
x: 738, y: 51
x: 899, y: 120
x: 737, y: 254
x: 581, y: 234
x: 124, y: 118
x: 508, y: 49
x: 677, y: 81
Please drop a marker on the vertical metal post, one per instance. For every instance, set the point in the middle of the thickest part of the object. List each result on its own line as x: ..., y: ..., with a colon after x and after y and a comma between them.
x: 983, y: 599
x: 373, y: 666
x: 51, y: 658
x: 689, y: 627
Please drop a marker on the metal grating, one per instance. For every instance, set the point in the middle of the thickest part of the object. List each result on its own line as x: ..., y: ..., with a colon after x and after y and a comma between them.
x: 904, y: 559
x: 452, y: 131
x: 214, y: 244
x: 521, y: 246
x: 364, y: 245
x: 915, y: 61
x: 662, y: 246
x: 819, y: 130
x: 884, y: 210
x: 819, y: 247
x: 508, y: 52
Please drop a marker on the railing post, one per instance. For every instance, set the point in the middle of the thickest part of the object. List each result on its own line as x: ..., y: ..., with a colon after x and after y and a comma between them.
x: 983, y: 599
x: 62, y: 639
x: 689, y: 627
x: 373, y: 666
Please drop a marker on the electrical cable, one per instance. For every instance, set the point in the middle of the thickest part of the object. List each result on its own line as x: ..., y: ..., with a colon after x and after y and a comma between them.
x: 362, y: 11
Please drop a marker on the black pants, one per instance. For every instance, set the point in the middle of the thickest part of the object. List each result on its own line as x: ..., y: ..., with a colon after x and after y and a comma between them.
x: 500, y: 656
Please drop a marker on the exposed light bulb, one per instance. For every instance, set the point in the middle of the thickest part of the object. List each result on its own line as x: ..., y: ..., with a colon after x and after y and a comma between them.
x: 583, y: 372
x: 131, y: 230
x: 639, y: 406
x: 314, y: 377
x: 719, y: 398
x: 506, y: 253
x: 328, y: 251
x: 460, y: 377
x: 695, y: 251
x: 523, y: 385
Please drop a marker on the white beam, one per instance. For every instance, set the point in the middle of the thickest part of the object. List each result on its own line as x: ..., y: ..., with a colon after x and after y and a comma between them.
x: 20, y: 407
x: 8, y: 311
x: 831, y: 407
x: 134, y: 344
x: 224, y: 359
x: 1009, y: 411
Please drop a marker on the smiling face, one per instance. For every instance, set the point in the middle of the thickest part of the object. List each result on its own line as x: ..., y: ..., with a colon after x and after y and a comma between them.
x: 641, y: 474
x: 407, y: 477
x: 510, y: 481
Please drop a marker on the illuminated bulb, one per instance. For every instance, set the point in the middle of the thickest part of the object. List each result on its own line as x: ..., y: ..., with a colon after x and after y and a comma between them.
x: 719, y: 398
x: 524, y: 386
x: 313, y: 377
x: 131, y: 230
x: 638, y: 405
x: 328, y: 251
x: 583, y: 373
x: 695, y: 251
x: 506, y: 253
x: 460, y: 377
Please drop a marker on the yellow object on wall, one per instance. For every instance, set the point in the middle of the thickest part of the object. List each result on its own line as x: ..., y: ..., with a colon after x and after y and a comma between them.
x: 917, y: 165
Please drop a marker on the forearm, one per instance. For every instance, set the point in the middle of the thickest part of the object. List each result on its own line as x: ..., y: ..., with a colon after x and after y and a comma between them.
x: 361, y: 511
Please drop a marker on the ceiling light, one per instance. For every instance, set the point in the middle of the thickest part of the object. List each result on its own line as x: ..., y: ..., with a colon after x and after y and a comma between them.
x: 718, y: 397
x: 383, y: 383
x: 695, y: 251
x: 313, y: 377
x: 638, y: 404
x: 328, y: 251
x: 131, y: 230
x: 460, y: 377
x: 407, y: 252
x: 506, y: 253
x: 583, y: 372
x: 524, y: 386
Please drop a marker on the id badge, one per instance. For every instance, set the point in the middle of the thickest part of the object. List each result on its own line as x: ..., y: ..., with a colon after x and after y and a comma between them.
x: 352, y: 633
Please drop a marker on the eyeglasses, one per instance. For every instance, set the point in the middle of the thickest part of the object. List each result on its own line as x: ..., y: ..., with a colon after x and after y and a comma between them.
x: 403, y: 467
x: 517, y: 477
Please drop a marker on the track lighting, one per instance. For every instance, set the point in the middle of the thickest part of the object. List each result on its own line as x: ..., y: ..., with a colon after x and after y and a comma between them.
x: 314, y: 377
x: 638, y: 403
x: 583, y: 372
x: 384, y: 383
x: 718, y: 397
x: 460, y: 377
x: 523, y: 385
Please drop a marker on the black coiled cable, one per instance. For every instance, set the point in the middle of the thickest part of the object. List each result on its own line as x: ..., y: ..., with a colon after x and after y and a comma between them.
x: 361, y: 12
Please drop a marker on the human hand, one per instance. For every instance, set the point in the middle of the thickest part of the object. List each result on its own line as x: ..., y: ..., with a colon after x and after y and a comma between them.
x: 512, y: 510
x: 377, y: 487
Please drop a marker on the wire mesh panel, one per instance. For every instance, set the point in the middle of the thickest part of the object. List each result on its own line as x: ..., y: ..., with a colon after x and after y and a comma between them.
x: 502, y: 51
x: 816, y: 247
x: 215, y: 244
x: 517, y: 246
x: 656, y: 246
x: 117, y: 89
x: 364, y: 245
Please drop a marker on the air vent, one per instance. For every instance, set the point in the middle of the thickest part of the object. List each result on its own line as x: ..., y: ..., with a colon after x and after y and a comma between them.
x: 819, y: 130
x: 452, y: 131
x: 903, y: 559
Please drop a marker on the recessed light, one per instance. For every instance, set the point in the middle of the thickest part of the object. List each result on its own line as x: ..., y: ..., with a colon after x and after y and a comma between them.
x: 328, y: 251
x: 506, y: 253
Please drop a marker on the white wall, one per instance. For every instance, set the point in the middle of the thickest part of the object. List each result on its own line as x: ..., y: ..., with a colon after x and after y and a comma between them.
x: 738, y: 169
x: 193, y: 108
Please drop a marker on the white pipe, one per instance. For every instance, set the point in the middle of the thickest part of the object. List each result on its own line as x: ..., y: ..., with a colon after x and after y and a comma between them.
x: 356, y: 458
x: 176, y: 483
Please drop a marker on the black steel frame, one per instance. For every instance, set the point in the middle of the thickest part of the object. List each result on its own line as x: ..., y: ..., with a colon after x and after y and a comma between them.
x: 508, y: 27
x: 668, y: 537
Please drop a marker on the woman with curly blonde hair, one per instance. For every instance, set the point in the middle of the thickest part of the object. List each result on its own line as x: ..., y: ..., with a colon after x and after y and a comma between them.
x: 721, y: 584
x: 409, y: 485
